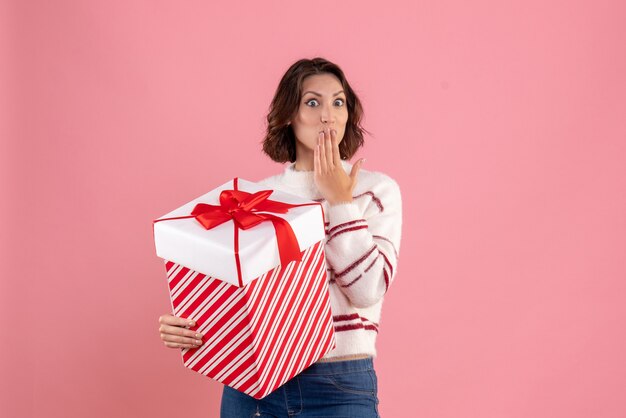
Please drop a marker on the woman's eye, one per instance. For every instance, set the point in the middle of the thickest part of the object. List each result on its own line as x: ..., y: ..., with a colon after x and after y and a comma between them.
x: 341, y: 102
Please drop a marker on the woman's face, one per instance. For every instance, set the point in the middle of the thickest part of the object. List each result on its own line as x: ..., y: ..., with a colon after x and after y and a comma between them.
x: 323, y: 100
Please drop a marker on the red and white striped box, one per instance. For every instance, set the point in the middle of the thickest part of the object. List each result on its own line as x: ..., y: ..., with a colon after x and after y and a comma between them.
x: 258, y: 332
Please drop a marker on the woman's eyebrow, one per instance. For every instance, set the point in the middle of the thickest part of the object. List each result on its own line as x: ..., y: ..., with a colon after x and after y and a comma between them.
x: 317, y: 94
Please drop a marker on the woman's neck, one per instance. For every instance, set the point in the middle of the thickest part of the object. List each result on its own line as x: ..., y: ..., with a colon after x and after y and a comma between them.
x: 304, y: 158
x: 303, y: 166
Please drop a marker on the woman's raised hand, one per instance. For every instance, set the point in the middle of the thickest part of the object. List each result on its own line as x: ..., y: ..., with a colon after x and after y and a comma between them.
x: 175, y: 334
x: 330, y: 178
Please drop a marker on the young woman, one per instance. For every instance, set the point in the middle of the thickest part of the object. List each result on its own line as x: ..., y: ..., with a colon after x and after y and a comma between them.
x: 314, y: 123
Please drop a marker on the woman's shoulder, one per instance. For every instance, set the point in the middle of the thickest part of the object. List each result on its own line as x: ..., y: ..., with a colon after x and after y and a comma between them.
x: 377, y: 181
x: 270, y: 180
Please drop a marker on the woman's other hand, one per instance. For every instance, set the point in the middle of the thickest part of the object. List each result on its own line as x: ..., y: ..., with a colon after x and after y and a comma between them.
x: 330, y: 178
x: 175, y: 334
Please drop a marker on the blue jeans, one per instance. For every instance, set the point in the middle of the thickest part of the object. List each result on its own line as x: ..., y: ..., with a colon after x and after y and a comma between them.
x: 332, y: 389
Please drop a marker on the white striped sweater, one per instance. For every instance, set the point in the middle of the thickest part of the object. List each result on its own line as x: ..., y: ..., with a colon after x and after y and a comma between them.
x: 362, y: 245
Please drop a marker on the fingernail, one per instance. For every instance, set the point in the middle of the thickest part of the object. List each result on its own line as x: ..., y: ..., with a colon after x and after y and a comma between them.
x: 191, y: 324
x: 198, y: 335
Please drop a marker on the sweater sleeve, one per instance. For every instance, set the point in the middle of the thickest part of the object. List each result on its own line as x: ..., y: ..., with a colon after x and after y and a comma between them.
x: 363, y: 253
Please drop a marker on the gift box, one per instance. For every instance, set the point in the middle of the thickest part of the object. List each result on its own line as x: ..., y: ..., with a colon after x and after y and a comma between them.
x: 248, y: 266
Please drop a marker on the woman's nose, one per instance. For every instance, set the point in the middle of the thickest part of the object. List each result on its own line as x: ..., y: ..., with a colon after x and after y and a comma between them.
x: 326, y: 116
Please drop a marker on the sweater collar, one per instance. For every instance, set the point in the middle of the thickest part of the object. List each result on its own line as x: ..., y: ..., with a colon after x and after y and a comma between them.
x: 304, y: 179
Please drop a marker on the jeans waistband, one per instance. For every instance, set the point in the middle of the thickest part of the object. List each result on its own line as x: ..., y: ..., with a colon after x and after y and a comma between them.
x: 339, y: 367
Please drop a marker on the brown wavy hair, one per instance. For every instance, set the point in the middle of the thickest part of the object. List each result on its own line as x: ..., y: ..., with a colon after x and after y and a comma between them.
x: 280, y: 142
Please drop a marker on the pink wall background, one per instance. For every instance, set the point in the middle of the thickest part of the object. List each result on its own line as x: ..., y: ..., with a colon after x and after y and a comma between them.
x: 503, y: 122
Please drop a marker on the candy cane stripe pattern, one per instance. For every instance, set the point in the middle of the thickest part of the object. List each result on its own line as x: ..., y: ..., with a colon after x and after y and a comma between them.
x: 258, y: 336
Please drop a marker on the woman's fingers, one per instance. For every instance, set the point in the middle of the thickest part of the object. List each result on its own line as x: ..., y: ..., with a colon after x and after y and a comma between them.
x: 169, y: 319
x: 328, y: 147
x: 173, y: 340
x: 316, y: 159
x: 335, y: 147
x: 174, y: 333
x: 322, y: 152
x: 178, y: 331
x: 179, y: 345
